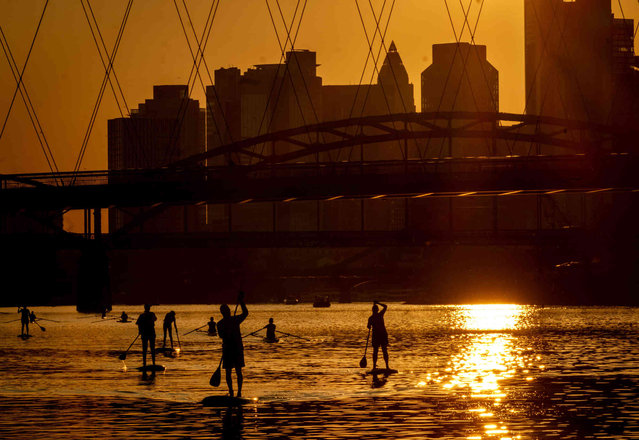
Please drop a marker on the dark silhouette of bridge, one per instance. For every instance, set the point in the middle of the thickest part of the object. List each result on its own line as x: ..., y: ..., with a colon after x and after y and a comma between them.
x: 295, y: 165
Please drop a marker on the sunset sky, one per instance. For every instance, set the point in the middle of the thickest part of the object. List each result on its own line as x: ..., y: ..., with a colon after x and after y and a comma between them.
x: 64, y: 73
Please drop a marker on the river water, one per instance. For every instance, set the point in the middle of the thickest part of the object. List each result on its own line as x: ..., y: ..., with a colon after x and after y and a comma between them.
x: 466, y: 372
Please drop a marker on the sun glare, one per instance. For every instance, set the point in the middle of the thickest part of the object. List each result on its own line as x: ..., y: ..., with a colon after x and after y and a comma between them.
x: 488, y: 317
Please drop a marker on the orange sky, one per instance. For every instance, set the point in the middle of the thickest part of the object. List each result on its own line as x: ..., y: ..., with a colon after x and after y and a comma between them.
x: 64, y: 73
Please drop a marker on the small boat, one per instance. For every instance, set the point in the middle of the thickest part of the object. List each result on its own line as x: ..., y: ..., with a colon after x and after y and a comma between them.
x: 321, y: 301
x: 291, y: 300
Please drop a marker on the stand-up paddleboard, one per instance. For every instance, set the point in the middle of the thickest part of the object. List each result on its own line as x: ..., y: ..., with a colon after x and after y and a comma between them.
x: 25, y: 336
x: 152, y: 368
x: 167, y: 352
x: 271, y: 340
x: 222, y: 401
x: 383, y: 371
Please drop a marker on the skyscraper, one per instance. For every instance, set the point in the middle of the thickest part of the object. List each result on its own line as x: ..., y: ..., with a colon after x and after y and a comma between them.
x: 272, y: 97
x: 460, y: 79
x: 578, y: 60
x: 160, y: 131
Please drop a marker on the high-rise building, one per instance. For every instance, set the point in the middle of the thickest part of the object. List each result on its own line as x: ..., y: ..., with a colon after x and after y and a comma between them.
x: 578, y: 61
x: 160, y: 131
x: 460, y: 79
x: 272, y: 97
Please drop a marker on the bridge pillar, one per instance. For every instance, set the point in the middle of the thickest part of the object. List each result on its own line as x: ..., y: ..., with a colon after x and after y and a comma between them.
x: 94, y: 295
x: 97, y: 223
x: 87, y: 223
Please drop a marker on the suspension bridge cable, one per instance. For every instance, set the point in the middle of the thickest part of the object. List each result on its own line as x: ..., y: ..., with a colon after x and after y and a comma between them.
x: 279, y: 65
x: 96, y: 107
x: 26, y: 100
x: 361, y: 78
x: 294, y: 56
x: 375, y: 61
x: 127, y: 124
x: 24, y: 66
x: 194, y: 74
x: 206, y: 67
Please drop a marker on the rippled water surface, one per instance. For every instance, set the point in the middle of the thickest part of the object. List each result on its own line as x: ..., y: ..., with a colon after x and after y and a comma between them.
x: 468, y: 372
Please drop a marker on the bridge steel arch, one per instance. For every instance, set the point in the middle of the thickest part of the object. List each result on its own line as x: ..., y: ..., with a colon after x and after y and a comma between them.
x: 578, y: 137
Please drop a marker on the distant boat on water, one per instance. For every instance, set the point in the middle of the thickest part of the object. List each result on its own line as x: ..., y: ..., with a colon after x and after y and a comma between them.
x: 321, y: 301
x: 291, y: 300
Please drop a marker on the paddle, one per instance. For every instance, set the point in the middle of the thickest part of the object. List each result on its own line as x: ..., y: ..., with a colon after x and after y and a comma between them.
x: 41, y: 328
x: 194, y: 330
x: 362, y: 363
x: 177, y: 335
x: 295, y: 336
x: 216, y: 377
x: 253, y: 333
x: 104, y: 320
x: 123, y: 355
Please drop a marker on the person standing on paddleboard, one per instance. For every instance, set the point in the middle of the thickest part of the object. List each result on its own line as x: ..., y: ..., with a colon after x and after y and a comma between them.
x: 169, y: 321
x: 228, y: 329
x: 380, y: 336
x: 24, y: 320
x: 146, y: 328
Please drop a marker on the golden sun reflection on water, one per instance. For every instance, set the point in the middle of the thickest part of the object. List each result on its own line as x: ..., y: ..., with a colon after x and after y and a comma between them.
x: 484, y: 360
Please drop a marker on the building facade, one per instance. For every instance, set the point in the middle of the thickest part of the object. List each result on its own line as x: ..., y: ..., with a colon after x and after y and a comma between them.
x: 580, y: 61
x: 160, y: 131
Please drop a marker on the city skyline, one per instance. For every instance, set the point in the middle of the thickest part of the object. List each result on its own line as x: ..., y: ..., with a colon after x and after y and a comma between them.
x: 19, y: 146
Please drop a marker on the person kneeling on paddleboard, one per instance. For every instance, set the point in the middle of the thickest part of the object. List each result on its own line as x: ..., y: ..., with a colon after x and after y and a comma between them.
x: 228, y: 328
x: 212, y: 329
x: 146, y: 328
x: 380, y: 336
x: 270, y: 330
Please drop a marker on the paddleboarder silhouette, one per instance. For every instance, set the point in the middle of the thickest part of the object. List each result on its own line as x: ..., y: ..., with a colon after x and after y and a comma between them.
x: 24, y: 320
x: 32, y: 317
x: 212, y: 329
x: 380, y: 336
x: 228, y: 329
x: 124, y: 317
x: 146, y: 328
x: 270, y: 330
x: 169, y: 321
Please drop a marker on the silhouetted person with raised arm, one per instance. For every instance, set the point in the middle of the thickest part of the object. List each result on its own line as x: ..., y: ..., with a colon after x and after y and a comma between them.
x: 228, y: 329
x: 146, y: 328
x: 380, y: 336
x: 169, y: 322
x: 270, y: 330
x: 212, y: 329
x: 32, y: 317
x: 24, y: 320
x: 124, y: 317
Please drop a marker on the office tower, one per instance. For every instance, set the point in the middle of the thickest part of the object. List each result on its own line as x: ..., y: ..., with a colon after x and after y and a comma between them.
x: 579, y: 61
x: 160, y: 131
x: 460, y: 78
